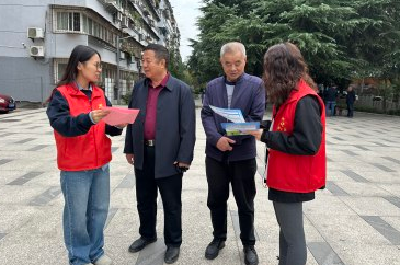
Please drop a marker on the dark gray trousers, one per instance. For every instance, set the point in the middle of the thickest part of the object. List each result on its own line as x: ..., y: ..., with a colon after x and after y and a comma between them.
x: 292, y: 240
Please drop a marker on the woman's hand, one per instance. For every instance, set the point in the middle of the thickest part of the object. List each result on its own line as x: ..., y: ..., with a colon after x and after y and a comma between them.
x: 121, y: 126
x: 97, y: 115
x: 256, y: 133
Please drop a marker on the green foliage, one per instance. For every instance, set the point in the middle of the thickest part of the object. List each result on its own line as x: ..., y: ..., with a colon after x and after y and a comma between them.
x: 339, y: 39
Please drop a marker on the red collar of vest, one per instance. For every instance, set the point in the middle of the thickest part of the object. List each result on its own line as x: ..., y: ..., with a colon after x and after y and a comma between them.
x: 73, y: 90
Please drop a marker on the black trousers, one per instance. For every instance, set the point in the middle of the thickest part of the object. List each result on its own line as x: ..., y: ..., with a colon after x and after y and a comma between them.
x: 350, y: 110
x: 146, y: 195
x: 241, y: 176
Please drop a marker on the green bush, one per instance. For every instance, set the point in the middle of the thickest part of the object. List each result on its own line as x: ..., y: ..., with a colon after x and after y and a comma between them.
x: 127, y: 97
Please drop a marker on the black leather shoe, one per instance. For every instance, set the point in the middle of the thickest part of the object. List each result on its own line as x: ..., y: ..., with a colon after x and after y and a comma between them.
x: 250, y: 255
x: 213, y: 248
x: 140, y: 244
x: 172, y: 254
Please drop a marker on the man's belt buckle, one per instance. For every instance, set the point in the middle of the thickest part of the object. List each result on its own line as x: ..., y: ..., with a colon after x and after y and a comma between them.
x: 150, y: 142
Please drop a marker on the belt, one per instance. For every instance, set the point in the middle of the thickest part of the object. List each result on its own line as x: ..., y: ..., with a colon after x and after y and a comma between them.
x: 150, y: 142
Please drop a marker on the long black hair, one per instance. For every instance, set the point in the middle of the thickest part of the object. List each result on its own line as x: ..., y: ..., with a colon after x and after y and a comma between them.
x: 80, y: 53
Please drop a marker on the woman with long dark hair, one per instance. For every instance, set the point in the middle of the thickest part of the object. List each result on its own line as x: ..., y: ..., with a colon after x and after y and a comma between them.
x: 296, y: 142
x: 83, y: 155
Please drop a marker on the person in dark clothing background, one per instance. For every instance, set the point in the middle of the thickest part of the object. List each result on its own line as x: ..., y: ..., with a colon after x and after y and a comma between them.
x: 296, y: 143
x: 350, y: 99
x: 83, y: 155
x: 330, y: 100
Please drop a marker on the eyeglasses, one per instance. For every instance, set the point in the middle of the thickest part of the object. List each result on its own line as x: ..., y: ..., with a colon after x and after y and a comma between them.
x: 98, y: 66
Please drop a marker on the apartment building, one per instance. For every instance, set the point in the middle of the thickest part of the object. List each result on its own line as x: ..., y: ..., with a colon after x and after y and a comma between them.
x: 37, y: 36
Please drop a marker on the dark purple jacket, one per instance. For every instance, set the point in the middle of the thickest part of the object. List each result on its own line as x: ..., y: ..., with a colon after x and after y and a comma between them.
x: 249, y: 96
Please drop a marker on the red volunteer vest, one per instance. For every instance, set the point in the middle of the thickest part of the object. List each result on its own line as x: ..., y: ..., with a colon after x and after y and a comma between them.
x: 89, y: 151
x: 296, y: 173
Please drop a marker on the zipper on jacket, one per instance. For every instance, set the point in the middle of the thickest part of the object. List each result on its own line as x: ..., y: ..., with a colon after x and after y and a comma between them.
x: 93, y: 133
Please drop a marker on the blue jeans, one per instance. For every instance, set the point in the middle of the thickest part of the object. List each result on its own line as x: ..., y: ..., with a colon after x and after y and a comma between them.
x: 87, y: 197
x: 330, y: 108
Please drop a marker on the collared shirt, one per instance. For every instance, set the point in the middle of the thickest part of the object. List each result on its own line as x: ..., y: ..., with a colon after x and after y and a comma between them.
x: 151, y: 108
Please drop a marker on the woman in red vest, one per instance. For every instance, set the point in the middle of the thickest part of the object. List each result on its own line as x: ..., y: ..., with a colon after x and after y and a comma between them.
x: 83, y: 155
x: 296, y: 144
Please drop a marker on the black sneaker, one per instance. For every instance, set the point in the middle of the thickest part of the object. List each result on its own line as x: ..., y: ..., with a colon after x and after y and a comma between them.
x: 213, y: 248
x: 250, y: 255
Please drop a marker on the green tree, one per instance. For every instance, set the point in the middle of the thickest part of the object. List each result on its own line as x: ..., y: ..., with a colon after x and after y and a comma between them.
x: 338, y: 38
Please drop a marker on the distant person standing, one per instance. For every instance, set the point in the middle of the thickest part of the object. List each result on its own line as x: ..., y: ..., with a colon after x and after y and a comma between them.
x: 331, y: 101
x: 350, y: 99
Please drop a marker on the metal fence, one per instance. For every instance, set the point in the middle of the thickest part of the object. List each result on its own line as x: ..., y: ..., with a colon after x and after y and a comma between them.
x: 377, y: 104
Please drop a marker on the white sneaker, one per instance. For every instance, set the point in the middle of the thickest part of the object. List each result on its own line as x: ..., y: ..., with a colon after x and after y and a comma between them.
x: 103, y: 260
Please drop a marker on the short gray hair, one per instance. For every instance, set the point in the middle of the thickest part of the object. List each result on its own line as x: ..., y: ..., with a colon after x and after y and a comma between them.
x: 232, y: 47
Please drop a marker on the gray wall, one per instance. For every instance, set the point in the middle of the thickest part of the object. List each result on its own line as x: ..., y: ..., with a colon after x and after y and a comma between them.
x: 21, y: 75
x: 27, y: 78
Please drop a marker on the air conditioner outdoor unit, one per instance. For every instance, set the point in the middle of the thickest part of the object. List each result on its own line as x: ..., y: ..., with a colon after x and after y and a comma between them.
x: 119, y: 16
x: 34, y: 32
x: 37, y: 51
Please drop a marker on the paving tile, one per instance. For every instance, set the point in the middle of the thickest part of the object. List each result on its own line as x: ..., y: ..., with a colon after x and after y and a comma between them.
x: 4, y: 161
x: 31, y: 215
x: 364, y: 253
x: 384, y: 228
x: 324, y: 254
x: 128, y: 181
x: 356, y: 177
x: 335, y: 189
x: 393, y: 200
x: 24, y: 140
x: 111, y: 215
x: 383, y: 167
x: 371, y: 206
x: 153, y: 254
x: 45, y: 197
x: 2, y: 235
x: 25, y: 178
x: 38, y: 147
x: 361, y: 147
x: 392, y: 160
x: 347, y: 229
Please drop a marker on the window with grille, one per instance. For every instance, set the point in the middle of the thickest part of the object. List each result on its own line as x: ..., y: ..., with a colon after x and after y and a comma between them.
x: 68, y: 21
x: 79, y: 22
x: 60, y: 65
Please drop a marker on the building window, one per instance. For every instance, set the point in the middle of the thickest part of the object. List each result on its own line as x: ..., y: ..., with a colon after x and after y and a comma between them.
x: 69, y: 21
x: 85, y: 23
x: 60, y: 66
x: 62, y: 21
x: 79, y: 22
x: 90, y: 23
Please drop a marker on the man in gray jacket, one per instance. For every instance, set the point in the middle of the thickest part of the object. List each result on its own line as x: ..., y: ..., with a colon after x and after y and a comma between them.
x: 232, y: 159
x: 160, y: 146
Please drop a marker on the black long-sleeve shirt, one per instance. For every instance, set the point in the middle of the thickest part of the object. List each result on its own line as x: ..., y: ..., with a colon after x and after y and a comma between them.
x: 68, y: 126
x: 305, y: 140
